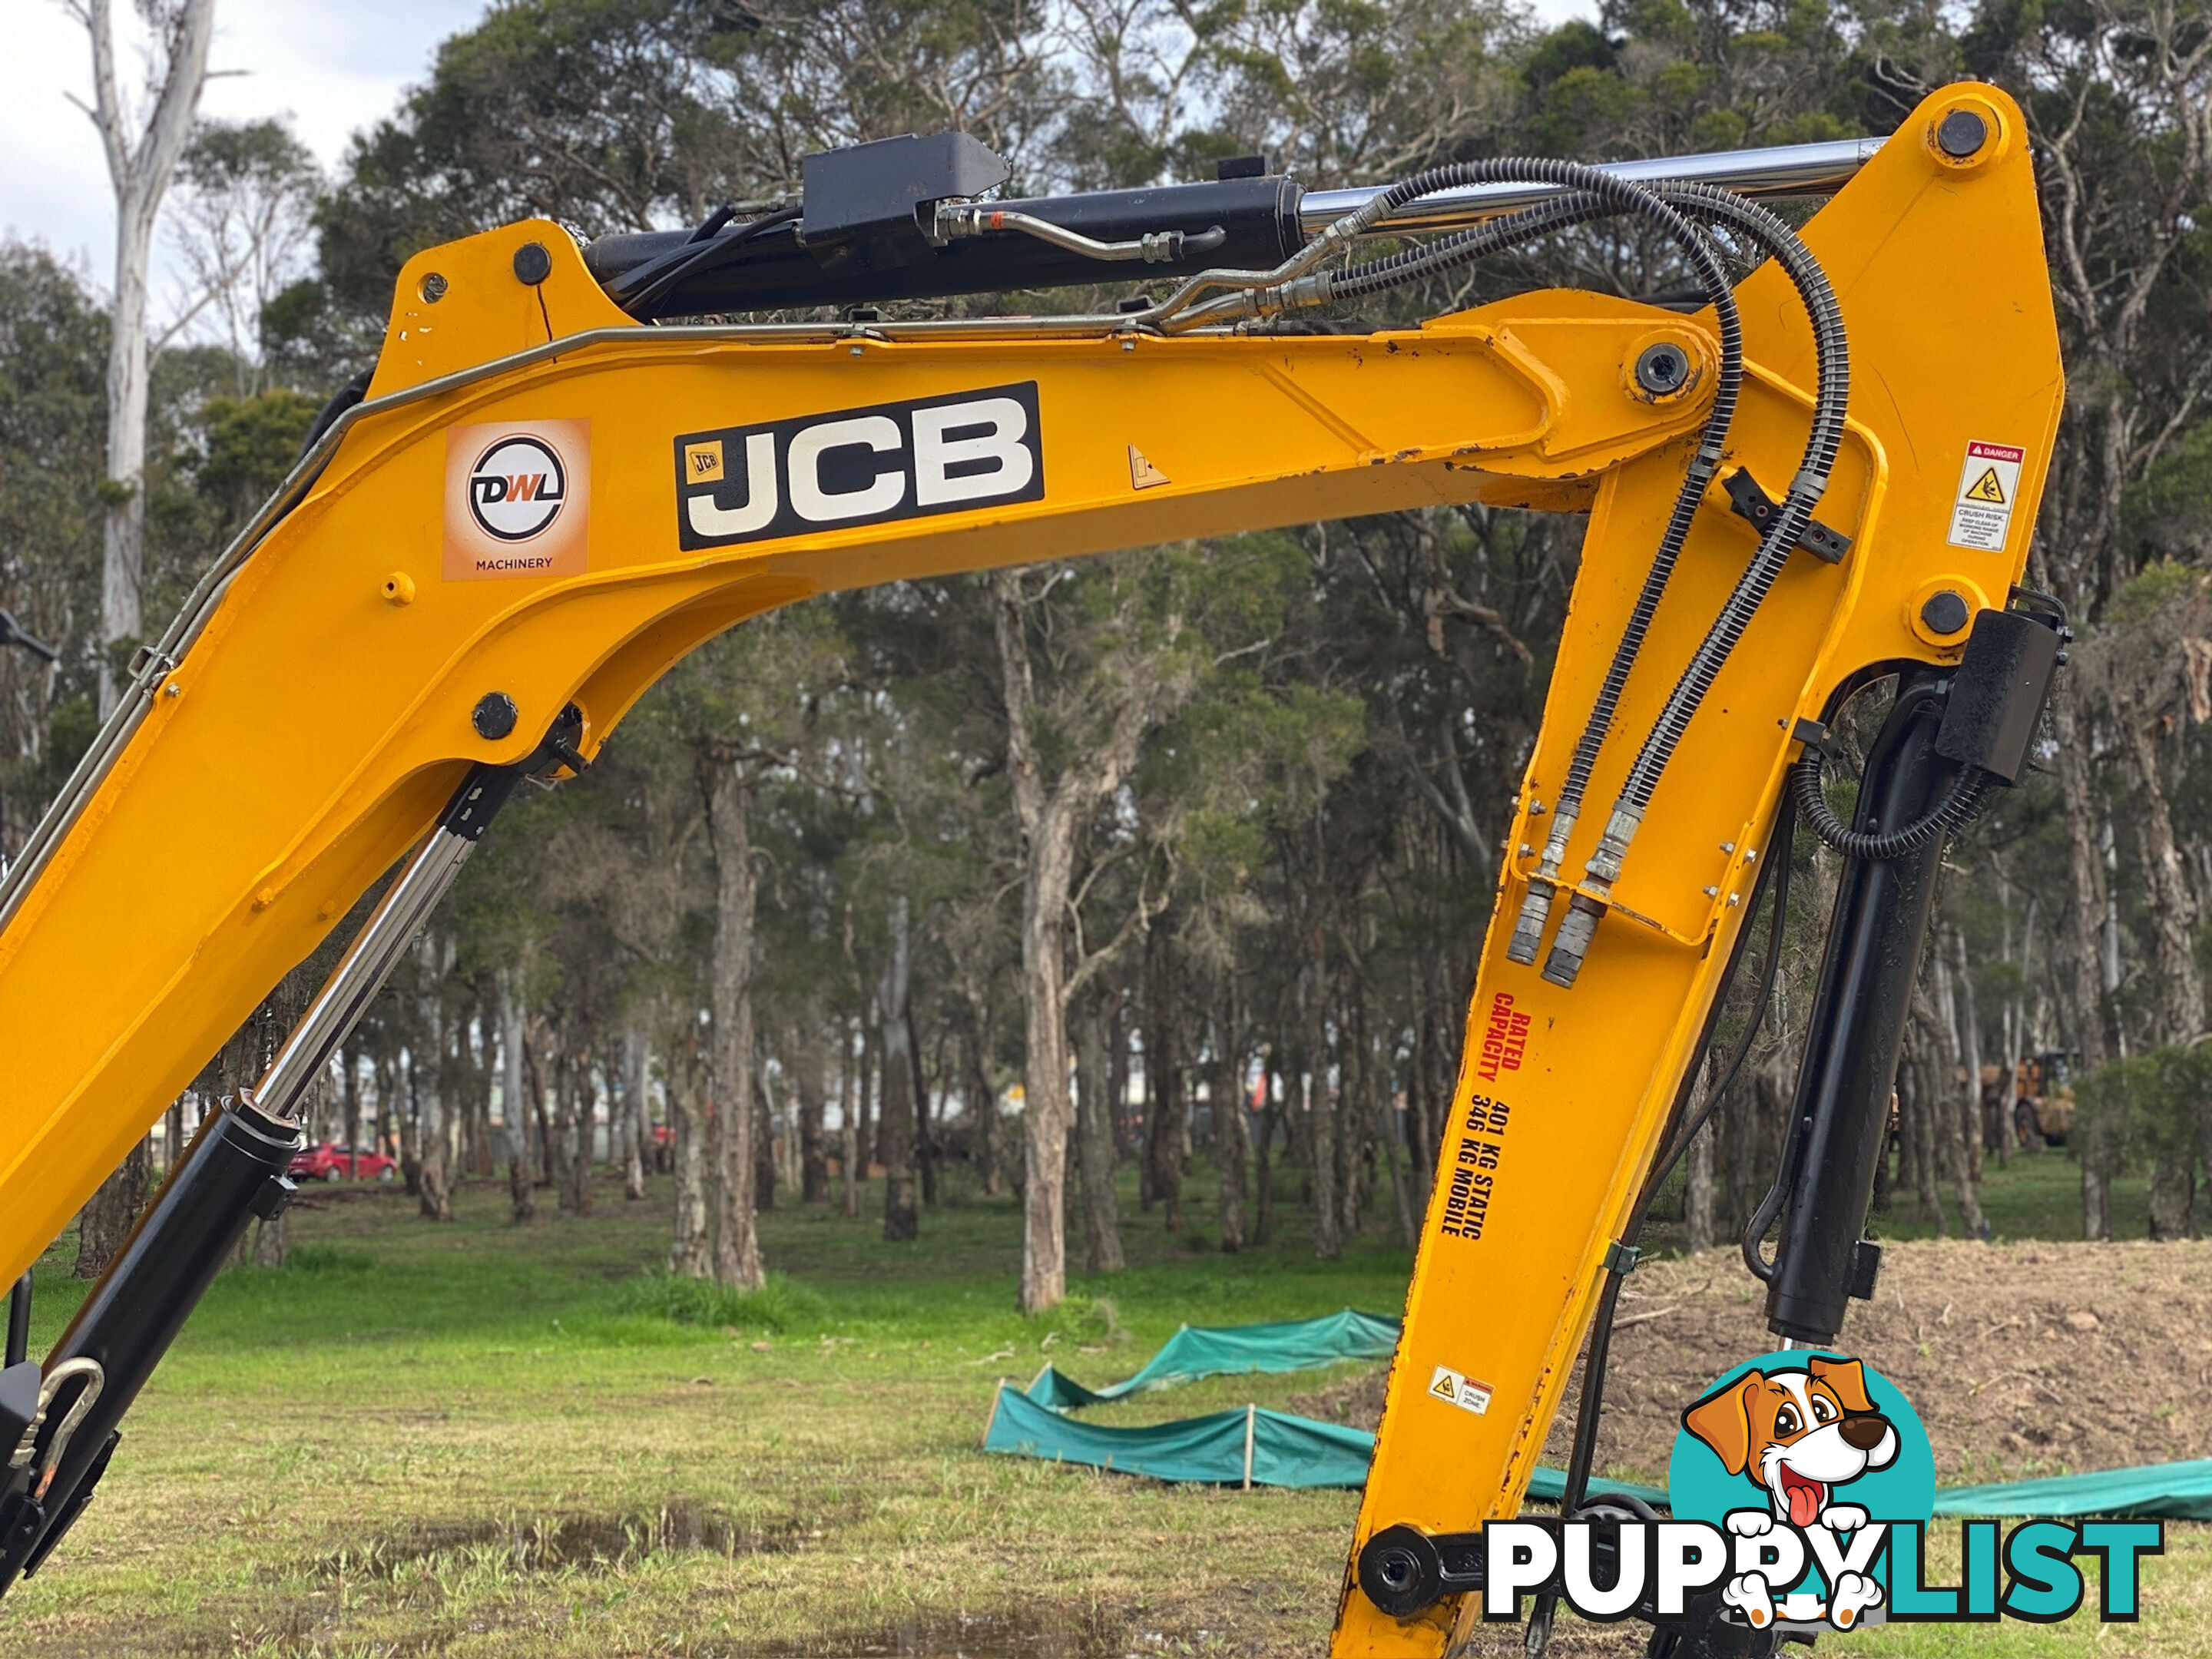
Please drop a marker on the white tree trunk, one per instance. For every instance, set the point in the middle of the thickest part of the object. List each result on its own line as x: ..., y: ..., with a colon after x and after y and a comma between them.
x: 637, y: 1063
x: 520, y: 1174
x: 140, y: 162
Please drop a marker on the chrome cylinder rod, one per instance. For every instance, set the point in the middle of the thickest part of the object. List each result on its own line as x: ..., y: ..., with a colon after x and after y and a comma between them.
x: 376, y: 950
x: 1818, y: 169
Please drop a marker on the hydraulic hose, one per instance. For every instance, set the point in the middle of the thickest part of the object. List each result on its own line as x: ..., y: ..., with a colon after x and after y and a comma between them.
x: 1948, y: 814
x: 1594, y: 195
x: 638, y: 291
x: 1409, y: 264
x: 1831, y: 401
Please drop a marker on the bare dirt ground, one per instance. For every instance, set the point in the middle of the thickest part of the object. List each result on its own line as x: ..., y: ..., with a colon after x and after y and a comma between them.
x: 2022, y: 1360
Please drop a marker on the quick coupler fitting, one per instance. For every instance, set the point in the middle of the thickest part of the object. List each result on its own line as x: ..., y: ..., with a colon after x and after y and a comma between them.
x: 1528, y: 926
x: 1612, y: 849
x: 1572, y: 945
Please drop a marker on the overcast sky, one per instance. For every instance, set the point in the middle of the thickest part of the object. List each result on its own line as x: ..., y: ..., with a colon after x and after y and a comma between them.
x: 333, y: 66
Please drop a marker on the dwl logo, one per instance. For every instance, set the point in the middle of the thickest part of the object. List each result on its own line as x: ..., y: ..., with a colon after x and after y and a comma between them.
x: 516, y: 488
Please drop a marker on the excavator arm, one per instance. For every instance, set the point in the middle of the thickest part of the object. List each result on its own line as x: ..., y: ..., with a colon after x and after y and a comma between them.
x: 546, y: 499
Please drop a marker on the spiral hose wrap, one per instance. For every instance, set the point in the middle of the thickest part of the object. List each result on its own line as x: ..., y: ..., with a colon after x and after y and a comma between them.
x: 1948, y: 814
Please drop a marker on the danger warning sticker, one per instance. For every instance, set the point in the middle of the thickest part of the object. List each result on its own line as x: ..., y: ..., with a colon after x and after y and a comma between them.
x: 1988, y: 485
x: 1449, y: 1386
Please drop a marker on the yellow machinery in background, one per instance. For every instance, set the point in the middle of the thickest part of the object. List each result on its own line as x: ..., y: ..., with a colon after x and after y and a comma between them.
x: 1823, y: 477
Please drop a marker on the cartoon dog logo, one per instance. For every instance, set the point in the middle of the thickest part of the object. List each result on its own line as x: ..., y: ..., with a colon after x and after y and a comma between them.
x: 1798, y: 1435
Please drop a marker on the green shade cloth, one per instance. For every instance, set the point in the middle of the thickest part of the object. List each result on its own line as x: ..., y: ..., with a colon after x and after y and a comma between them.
x: 1293, y: 1346
x: 2164, y: 1492
x: 1253, y: 1446
x: 1249, y: 1446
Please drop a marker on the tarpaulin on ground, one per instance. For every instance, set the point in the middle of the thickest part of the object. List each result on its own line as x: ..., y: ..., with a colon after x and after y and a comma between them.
x: 1298, y: 1345
x: 1248, y: 1446
x: 2161, y: 1491
x: 1257, y: 1447
x: 1252, y: 1446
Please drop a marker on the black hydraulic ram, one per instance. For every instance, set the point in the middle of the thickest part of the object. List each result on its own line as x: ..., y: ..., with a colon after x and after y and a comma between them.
x: 913, y: 218
x: 59, y: 1420
x: 1948, y: 735
x: 897, y: 220
x: 233, y: 1171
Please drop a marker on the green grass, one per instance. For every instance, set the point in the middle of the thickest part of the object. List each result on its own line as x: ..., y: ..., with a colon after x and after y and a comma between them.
x: 2039, y: 1196
x: 478, y: 1439
x: 779, y: 1305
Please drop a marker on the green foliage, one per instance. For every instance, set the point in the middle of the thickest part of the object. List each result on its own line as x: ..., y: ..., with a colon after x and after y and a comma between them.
x: 2167, y: 512
x: 250, y: 444
x: 1573, y: 45
x: 780, y: 1305
x: 2154, y: 588
x: 53, y: 347
x: 228, y: 156
x: 2148, y: 1108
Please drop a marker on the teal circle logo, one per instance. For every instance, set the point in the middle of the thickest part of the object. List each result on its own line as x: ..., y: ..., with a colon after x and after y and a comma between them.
x: 1793, y: 1454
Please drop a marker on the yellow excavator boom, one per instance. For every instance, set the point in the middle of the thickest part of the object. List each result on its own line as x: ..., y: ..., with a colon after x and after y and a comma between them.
x: 543, y: 505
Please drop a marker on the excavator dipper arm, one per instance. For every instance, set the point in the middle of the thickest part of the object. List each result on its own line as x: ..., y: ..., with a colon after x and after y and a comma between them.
x: 542, y: 505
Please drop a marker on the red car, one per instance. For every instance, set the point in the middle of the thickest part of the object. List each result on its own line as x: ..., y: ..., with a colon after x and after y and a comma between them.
x: 331, y: 1162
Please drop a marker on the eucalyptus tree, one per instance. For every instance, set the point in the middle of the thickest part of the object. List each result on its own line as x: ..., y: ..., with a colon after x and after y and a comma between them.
x: 242, y: 220
x: 53, y: 344
x: 749, y: 705
x: 141, y: 146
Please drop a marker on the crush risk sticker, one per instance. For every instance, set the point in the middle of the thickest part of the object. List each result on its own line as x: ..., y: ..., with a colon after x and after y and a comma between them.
x: 1455, y: 1388
x: 1989, y: 484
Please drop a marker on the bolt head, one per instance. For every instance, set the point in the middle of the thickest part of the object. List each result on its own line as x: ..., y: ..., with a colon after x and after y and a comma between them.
x: 1663, y: 369
x: 1397, y: 1568
x: 1945, y: 613
x: 1961, y: 134
x: 533, y: 264
x: 432, y: 288
x: 494, y: 717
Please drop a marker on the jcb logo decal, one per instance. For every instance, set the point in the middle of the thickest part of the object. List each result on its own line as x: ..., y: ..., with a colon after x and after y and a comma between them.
x: 859, y: 467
